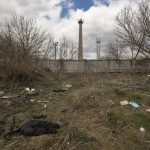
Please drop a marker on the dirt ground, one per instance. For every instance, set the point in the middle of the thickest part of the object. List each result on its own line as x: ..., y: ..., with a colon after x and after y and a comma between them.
x: 90, y: 110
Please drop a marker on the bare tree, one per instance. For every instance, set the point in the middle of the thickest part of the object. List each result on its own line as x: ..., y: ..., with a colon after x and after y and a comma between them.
x: 23, y: 35
x: 133, y: 28
x: 67, y: 49
x: 21, y: 40
x: 63, y: 49
x: 49, y: 49
x: 115, y: 50
x: 73, y: 51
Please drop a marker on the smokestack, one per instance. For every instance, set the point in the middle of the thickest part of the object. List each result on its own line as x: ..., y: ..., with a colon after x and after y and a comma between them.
x: 98, y: 41
x: 80, y: 50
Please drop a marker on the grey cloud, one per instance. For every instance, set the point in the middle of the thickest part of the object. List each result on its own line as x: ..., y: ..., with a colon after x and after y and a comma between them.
x: 23, y: 3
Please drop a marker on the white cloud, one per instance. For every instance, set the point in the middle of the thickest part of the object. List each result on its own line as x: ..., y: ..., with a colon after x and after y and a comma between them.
x: 98, y: 20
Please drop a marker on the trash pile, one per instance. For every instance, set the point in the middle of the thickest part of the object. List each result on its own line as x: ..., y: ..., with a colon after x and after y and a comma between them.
x: 26, y: 95
x: 134, y: 105
x: 32, y: 91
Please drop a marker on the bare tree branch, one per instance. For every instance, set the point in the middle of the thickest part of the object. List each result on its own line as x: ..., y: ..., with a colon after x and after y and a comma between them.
x: 133, y: 28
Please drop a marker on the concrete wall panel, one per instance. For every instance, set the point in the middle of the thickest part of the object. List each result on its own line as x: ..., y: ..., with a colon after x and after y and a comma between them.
x: 96, y: 65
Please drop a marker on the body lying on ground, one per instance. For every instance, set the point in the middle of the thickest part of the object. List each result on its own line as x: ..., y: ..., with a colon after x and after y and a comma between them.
x: 28, y: 125
x: 39, y: 127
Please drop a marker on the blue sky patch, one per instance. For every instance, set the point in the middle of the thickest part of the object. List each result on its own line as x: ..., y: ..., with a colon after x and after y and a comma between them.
x: 66, y: 7
x: 83, y: 4
x: 64, y: 12
x: 79, y: 4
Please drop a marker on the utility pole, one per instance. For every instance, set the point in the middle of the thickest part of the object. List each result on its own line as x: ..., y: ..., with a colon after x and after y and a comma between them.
x: 55, y: 46
x: 80, y: 50
x: 98, y: 42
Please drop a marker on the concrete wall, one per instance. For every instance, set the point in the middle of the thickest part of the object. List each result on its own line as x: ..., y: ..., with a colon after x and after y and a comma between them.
x: 96, y: 65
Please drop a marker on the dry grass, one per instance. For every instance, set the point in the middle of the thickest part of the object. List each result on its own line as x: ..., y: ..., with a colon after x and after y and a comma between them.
x: 92, y: 114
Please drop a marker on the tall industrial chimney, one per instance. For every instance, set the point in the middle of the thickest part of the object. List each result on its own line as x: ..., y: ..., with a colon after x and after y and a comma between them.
x: 98, y: 41
x: 80, y: 50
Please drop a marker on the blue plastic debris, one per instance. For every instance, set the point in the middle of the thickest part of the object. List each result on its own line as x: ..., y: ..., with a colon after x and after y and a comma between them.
x: 135, y: 105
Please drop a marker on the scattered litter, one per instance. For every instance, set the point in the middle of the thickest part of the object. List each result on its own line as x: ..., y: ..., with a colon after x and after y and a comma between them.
x: 123, y: 103
x: 147, y: 110
x: 1, y: 92
x: 142, y: 129
x: 33, y: 90
x: 148, y: 75
x: 68, y: 86
x: 63, y: 88
x: 27, y: 89
x: 30, y: 91
x: 45, y: 106
x: 6, y: 97
x: 32, y: 100
x: 135, y: 105
x: 39, y: 101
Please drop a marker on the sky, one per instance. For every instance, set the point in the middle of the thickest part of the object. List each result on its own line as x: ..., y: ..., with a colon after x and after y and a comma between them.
x: 60, y: 18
